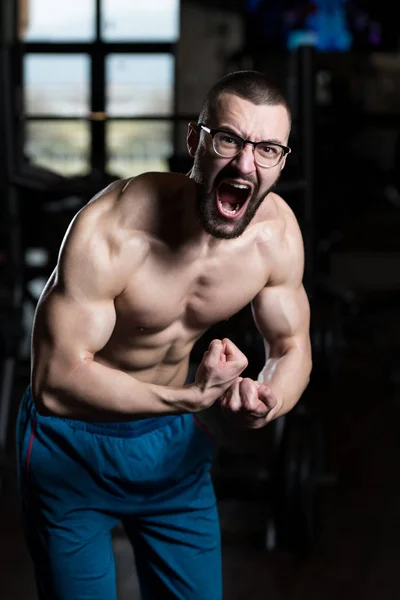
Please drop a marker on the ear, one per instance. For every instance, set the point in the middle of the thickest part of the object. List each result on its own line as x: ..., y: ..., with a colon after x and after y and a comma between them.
x: 283, y: 161
x: 192, y: 139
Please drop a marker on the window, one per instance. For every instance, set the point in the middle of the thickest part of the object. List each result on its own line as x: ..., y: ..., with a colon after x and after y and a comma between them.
x: 141, y: 84
x: 62, y: 147
x: 140, y: 21
x: 51, y: 21
x: 57, y: 84
x: 98, y: 87
x: 134, y: 147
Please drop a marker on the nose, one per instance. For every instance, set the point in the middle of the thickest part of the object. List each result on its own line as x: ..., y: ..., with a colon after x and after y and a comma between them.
x: 245, y: 159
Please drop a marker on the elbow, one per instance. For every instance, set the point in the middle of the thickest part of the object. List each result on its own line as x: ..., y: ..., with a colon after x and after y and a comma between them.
x: 48, y: 401
x: 46, y: 406
x: 305, y: 349
x: 53, y: 391
x: 308, y: 372
x: 45, y: 400
x: 310, y: 367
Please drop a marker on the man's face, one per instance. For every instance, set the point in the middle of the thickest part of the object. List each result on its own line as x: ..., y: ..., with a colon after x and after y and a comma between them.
x: 232, y: 189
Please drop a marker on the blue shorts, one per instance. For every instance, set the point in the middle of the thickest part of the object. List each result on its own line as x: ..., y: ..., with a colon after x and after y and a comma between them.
x: 79, y: 479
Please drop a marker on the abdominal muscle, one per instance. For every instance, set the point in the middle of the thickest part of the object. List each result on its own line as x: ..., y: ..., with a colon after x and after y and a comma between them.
x: 151, y: 358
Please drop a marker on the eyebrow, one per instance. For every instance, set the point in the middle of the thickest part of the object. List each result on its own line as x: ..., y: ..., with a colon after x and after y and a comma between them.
x: 230, y: 130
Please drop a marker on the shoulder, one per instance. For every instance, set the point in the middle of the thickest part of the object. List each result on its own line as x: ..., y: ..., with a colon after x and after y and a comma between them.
x: 103, y: 233
x: 126, y: 205
x: 122, y: 218
x: 289, y: 224
x: 284, y: 246
x: 278, y: 226
x: 143, y: 198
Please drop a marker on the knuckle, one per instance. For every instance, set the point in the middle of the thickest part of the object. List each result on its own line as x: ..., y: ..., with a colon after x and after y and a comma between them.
x: 243, y: 362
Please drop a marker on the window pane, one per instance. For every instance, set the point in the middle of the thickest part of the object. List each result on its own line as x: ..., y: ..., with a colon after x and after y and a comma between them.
x: 134, y: 147
x: 59, y: 146
x: 156, y: 20
x: 56, y: 84
x: 140, y: 85
x: 47, y: 20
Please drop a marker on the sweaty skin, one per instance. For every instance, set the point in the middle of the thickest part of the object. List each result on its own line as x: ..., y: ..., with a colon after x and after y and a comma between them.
x: 138, y: 281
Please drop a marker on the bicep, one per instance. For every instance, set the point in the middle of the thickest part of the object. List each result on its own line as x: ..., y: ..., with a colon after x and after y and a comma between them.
x: 74, y: 328
x: 67, y: 334
x: 76, y: 315
x: 281, y: 310
x: 282, y: 314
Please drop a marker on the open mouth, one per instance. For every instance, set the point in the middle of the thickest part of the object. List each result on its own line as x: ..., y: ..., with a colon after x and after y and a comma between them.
x: 232, y: 198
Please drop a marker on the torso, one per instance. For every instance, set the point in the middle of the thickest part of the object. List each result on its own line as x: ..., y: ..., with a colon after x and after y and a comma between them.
x: 177, y: 292
x: 169, y: 303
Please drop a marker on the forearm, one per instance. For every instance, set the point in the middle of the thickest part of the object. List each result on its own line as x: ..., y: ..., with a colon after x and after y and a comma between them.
x: 96, y: 392
x: 287, y: 375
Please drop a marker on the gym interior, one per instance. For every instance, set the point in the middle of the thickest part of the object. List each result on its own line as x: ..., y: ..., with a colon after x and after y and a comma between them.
x: 97, y: 90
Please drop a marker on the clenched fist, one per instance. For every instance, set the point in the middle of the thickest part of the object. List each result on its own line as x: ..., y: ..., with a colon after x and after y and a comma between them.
x: 222, y: 364
x: 248, y: 403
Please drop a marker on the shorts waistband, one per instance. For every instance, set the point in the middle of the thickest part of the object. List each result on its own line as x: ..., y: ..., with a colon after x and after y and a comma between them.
x: 123, y: 429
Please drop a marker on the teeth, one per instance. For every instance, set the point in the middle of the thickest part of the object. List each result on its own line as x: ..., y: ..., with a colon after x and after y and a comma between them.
x: 240, y: 186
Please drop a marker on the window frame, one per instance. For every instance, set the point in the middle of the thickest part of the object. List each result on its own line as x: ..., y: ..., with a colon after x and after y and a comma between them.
x: 97, y: 51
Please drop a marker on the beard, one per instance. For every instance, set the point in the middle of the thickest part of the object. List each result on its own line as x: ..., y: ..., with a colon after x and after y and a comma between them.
x: 211, y: 219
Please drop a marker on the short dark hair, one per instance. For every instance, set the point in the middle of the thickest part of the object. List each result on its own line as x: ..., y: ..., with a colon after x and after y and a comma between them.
x: 250, y: 85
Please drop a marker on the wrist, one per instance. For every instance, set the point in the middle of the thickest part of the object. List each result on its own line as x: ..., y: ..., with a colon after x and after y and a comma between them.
x: 201, y: 398
x: 275, y: 411
x: 190, y: 398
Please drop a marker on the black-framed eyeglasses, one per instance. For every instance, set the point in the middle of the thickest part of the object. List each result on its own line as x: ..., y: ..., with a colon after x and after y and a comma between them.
x: 228, y: 145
